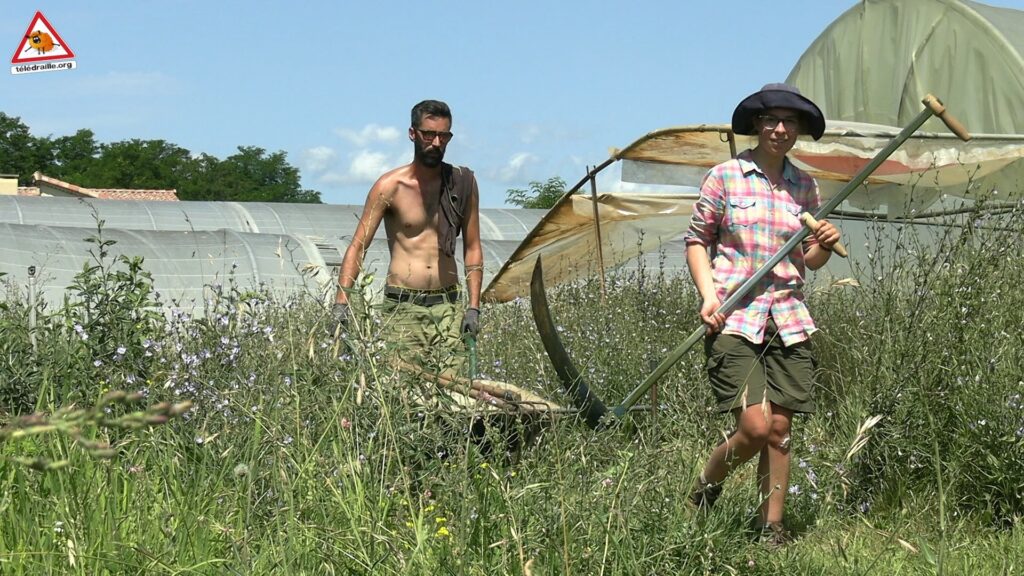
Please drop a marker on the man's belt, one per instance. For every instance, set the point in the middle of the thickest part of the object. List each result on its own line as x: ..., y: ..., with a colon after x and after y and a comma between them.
x: 423, y: 297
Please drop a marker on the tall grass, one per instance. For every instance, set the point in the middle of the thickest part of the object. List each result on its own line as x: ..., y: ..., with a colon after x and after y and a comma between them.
x: 303, y: 456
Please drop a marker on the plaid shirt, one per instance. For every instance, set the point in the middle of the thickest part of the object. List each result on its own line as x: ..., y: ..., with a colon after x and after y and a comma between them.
x: 745, y: 222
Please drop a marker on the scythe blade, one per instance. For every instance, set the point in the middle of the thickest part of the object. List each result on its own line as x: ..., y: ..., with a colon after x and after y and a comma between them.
x: 589, y: 405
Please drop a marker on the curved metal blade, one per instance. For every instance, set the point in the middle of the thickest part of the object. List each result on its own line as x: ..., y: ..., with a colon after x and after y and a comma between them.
x: 589, y: 405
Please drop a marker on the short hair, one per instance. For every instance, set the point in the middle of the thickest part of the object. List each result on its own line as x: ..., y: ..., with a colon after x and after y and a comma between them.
x: 429, y: 108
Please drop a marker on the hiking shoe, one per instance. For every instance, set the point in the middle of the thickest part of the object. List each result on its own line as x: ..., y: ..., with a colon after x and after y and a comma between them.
x: 774, y: 535
x: 704, y: 496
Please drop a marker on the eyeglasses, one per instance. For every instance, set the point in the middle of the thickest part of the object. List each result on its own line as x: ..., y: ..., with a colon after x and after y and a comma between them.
x: 769, y: 122
x: 429, y: 135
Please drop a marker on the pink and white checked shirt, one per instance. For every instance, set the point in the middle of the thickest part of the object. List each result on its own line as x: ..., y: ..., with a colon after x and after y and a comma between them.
x: 744, y: 221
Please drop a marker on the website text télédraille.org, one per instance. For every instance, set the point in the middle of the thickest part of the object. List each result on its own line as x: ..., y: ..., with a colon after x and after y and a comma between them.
x: 42, y: 67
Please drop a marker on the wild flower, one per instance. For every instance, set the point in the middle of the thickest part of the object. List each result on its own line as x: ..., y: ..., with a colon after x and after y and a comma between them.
x: 1015, y: 401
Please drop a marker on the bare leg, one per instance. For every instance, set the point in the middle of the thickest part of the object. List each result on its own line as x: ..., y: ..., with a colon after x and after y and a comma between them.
x: 773, y: 467
x: 763, y: 480
x: 753, y: 426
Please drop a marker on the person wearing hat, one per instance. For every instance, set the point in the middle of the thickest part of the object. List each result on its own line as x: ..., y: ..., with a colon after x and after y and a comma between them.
x: 759, y: 357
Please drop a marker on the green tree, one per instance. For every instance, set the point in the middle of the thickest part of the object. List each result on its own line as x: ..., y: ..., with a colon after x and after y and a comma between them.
x: 153, y: 164
x: 540, y: 194
x: 73, y: 155
x: 251, y: 175
x: 20, y: 152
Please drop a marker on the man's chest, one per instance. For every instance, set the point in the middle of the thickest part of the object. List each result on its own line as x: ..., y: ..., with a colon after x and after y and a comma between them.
x: 413, y: 210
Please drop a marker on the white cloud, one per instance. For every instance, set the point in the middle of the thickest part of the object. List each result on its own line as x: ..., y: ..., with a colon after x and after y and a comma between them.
x: 369, y: 134
x: 364, y: 167
x: 367, y: 166
x: 318, y: 159
x: 516, y: 167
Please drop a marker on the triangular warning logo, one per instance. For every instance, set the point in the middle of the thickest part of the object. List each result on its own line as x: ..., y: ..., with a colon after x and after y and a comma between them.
x: 41, y: 42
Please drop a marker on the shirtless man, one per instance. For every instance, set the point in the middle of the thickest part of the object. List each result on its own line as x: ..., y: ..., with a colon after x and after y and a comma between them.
x: 424, y: 205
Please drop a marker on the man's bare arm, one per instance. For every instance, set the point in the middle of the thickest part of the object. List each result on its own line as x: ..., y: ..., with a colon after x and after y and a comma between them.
x: 472, y: 251
x: 377, y: 202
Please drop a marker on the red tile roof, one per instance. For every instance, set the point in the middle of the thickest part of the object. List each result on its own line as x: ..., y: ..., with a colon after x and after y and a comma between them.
x: 104, y: 193
x: 127, y: 194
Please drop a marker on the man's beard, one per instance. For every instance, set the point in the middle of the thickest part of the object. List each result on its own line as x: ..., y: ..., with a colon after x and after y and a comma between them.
x: 430, y: 158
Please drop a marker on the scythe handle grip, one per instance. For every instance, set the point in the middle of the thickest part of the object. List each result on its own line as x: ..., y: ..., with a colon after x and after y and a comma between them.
x: 813, y: 224
x: 939, y: 109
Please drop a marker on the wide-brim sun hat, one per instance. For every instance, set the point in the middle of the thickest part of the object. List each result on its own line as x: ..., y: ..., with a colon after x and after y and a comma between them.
x: 777, y: 95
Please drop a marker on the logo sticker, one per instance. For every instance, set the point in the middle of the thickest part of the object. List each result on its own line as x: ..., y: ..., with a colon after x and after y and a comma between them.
x: 41, y: 43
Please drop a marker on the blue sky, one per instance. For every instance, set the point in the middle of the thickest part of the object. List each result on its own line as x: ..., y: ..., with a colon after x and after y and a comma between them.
x: 537, y: 89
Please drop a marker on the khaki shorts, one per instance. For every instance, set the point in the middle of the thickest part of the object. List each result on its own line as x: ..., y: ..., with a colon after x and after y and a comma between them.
x: 429, y: 336
x: 743, y: 374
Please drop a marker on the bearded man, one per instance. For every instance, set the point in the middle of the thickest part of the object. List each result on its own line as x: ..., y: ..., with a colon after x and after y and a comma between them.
x: 424, y: 205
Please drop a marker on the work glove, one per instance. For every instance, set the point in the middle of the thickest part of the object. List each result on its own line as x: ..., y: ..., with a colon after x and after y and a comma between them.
x: 339, y: 319
x: 471, y: 322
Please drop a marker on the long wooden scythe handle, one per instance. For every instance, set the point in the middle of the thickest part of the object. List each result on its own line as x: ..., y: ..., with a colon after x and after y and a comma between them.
x: 813, y: 224
x: 933, y: 107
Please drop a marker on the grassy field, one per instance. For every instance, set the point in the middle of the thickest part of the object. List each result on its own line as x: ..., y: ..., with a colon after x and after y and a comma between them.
x: 297, y: 455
